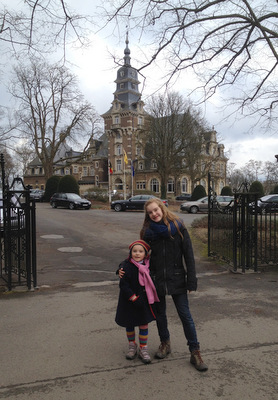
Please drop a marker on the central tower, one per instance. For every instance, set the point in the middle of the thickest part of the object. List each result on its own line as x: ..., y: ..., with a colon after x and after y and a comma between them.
x: 124, y: 122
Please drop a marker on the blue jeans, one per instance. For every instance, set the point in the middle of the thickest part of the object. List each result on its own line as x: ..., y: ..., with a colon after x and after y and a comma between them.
x: 182, y: 306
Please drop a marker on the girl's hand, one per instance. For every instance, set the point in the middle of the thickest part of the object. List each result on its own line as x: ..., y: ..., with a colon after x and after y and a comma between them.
x: 121, y: 272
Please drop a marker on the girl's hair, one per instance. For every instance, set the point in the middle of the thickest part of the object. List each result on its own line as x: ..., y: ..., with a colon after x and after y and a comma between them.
x: 167, y: 217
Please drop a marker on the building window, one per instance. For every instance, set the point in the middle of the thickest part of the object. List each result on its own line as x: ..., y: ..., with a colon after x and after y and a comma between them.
x: 154, y: 164
x: 155, y: 185
x: 122, y: 73
x: 138, y: 150
x: 119, y: 165
x: 170, y: 185
x: 85, y: 171
x: 118, y: 150
x: 97, y: 180
x: 67, y: 171
x: 184, y: 185
x: 92, y: 171
x: 118, y: 135
x: 96, y: 164
x: 141, y: 185
x: 117, y: 120
x: 118, y: 184
x: 141, y: 166
x: 122, y: 85
x: 75, y: 169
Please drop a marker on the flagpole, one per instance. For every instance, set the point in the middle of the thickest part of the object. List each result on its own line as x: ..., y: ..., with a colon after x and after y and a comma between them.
x: 131, y: 177
x: 109, y: 182
x: 124, y: 183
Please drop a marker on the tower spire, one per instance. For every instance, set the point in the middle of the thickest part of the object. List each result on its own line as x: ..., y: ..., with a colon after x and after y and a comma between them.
x: 127, y: 52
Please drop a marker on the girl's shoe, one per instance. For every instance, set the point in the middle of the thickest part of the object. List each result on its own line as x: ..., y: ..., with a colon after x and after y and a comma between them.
x: 144, y: 355
x: 132, y: 351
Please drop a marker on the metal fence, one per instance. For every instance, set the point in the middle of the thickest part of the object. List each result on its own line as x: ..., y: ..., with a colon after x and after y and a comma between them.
x: 18, y: 234
x: 241, y: 234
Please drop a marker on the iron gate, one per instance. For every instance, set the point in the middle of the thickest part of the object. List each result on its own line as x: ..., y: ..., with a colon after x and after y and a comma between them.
x: 233, y: 232
x: 240, y: 233
x: 18, y: 234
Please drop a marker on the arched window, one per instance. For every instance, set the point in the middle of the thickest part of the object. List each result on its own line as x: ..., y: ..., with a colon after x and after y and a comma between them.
x: 118, y: 150
x: 155, y: 185
x: 170, y: 185
x: 184, y: 185
x: 118, y: 184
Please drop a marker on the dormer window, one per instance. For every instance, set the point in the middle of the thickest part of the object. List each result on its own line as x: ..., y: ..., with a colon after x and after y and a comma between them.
x: 122, y: 73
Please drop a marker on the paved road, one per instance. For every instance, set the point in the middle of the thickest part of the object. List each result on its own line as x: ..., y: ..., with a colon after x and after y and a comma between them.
x: 84, y: 245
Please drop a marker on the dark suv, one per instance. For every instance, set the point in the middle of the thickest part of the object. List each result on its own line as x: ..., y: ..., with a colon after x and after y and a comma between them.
x: 69, y: 200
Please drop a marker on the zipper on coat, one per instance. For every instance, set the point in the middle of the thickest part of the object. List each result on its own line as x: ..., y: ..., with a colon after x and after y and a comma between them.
x: 164, y: 267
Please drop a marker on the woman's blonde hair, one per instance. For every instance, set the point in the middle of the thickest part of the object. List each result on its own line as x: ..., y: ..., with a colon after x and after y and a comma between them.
x: 167, y: 217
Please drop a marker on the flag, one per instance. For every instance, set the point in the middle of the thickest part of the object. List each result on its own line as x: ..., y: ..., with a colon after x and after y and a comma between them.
x: 110, y: 168
x: 125, y: 157
x: 132, y: 169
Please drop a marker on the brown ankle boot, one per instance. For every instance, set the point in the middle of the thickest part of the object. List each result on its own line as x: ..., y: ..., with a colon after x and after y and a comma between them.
x: 163, y: 350
x: 197, y: 361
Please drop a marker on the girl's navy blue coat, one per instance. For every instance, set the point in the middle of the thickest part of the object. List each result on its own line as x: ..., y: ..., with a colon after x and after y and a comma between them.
x: 130, y: 314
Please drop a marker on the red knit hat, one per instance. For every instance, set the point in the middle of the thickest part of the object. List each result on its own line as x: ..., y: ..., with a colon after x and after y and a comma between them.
x: 141, y: 243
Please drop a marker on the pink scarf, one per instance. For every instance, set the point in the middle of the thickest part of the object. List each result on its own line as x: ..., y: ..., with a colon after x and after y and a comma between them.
x: 146, y: 280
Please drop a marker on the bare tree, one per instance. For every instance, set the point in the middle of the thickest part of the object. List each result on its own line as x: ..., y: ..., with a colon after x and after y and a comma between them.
x: 235, y: 177
x: 270, y: 172
x: 24, y: 155
x: 174, y: 137
x: 10, y: 166
x: 39, y: 25
x: 252, y: 170
x: 52, y: 109
x: 225, y: 42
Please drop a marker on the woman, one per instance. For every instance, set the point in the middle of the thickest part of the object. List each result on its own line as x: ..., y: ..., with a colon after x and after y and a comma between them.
x: 170, y: 248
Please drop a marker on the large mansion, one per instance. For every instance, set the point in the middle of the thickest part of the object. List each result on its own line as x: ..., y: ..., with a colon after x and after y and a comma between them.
x: 117, y: 161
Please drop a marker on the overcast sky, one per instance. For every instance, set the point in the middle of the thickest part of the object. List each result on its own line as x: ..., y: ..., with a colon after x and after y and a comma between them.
x: 97, y: 72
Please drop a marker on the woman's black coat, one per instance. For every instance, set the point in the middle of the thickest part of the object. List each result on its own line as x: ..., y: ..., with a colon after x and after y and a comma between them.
x: 172, y: 264
x: 130, y: 314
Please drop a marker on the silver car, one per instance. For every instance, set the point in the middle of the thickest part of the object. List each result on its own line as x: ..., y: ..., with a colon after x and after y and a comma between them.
x: 201, y: 205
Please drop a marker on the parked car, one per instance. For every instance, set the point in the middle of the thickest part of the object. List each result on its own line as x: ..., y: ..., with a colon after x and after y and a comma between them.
x: 184, y: 197
x: 201, y: 205
x: 36, y: 194
x: 266, y: 204
x: 69, y: 200
x: 133, y: 203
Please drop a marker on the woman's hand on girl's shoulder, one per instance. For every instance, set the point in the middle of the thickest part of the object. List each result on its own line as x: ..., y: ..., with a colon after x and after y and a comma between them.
x: 121, y: 272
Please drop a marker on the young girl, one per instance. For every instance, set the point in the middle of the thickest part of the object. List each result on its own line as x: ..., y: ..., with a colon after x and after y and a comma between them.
x: 137, y: 293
